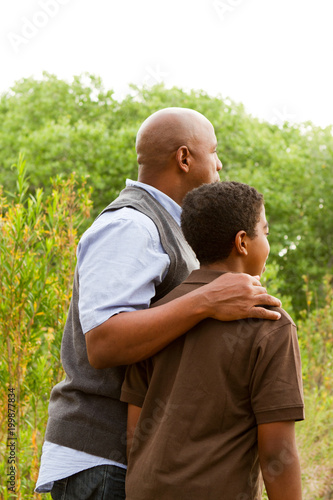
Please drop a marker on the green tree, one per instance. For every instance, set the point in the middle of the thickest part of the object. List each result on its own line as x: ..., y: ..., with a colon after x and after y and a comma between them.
x: 79, y: 127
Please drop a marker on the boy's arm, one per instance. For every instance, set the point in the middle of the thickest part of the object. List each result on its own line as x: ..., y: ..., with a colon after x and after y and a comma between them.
x: 279, y: 460
x: 133, y: 414
x: 132, y: 336
x: 133, y: 392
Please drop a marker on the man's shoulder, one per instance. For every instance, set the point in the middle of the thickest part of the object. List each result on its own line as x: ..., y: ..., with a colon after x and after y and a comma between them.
x: 125, y: 215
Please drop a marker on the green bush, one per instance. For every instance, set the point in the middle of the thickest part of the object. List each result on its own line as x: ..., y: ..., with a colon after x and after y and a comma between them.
x: 38, y: 236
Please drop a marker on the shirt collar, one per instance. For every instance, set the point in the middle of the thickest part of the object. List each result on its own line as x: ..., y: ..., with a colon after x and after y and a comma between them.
x: 203, y: 276
x: 168, y: 203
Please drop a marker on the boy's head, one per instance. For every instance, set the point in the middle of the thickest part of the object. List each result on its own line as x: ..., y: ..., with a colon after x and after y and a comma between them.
x: 225, y: 222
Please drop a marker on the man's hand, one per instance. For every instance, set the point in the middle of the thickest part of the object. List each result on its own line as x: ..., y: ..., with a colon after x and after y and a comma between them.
x: 133, y: 336
x: 235, y: 296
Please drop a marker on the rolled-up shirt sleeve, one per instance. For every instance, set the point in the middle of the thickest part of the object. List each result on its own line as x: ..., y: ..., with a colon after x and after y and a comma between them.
x: 120, y: 262
x: 276, y: 384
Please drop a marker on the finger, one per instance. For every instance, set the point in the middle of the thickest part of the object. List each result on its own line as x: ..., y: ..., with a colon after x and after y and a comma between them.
x: 260, y: 291
x: 267, y: 300
x: 261, y: 312
x: 256, y: 280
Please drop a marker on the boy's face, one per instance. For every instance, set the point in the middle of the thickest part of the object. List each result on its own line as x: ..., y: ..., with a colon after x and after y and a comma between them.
x: 258, y: 247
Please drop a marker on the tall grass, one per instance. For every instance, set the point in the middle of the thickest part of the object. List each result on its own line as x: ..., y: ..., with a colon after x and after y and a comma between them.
x: 315, y: 434
x: 38, y: 237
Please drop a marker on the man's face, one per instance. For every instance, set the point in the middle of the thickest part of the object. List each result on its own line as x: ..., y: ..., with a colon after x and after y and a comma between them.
x: 205, y: 162
x: 258, y: 247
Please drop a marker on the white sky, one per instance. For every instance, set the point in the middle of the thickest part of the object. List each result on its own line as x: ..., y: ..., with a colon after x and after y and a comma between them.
x: 274, y: 56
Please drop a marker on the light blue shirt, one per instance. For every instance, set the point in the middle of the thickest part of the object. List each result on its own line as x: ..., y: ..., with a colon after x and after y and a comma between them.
x: 131, y: 262
x: 120, y: 261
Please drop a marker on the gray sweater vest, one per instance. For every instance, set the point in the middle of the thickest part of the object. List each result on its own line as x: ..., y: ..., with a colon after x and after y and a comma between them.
x: 85, y: 412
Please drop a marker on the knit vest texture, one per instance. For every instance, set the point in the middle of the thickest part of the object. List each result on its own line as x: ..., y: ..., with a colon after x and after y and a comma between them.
x: 85, y: 412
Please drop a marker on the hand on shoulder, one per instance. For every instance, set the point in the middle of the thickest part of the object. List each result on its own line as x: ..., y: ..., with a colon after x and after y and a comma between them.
x: 235, y: 296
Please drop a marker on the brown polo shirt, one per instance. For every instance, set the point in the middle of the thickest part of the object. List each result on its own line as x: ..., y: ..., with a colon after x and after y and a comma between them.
x: 202, y: 398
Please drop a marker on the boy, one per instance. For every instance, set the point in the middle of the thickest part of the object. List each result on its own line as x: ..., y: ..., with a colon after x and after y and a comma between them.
x: 220, y: 402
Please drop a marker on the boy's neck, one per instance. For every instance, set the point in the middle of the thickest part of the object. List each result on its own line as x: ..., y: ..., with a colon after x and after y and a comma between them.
x: 224, y: 266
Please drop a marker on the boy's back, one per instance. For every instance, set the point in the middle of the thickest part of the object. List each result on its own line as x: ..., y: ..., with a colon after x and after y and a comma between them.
x: 208, y: 391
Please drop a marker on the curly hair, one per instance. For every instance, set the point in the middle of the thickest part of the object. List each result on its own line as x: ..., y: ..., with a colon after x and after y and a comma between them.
x: 213, y: 214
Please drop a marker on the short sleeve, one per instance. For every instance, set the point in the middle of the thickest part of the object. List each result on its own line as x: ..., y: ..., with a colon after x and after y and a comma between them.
x: 276, y: 383
x: 120, y: 263
x: 135, y: 385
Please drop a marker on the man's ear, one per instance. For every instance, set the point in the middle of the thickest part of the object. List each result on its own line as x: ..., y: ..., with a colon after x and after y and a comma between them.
x: 241, y: 246
x: 183, y: 158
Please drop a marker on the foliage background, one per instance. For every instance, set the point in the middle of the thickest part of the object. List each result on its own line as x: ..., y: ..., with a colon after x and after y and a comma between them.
x: 79, y: 127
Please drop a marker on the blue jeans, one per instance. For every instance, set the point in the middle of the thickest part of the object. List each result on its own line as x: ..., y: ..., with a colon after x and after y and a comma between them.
x: 104, y: 482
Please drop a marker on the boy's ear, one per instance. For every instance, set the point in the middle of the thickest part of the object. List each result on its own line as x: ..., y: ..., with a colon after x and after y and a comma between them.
x: 241, y: 246
x: 183, y: 158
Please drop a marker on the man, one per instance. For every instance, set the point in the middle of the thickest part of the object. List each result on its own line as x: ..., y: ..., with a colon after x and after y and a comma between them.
x: 133, y: 254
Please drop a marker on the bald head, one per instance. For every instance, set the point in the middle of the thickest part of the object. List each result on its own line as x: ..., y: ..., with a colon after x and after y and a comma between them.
x: 164, y: 132
x: 176, y: 149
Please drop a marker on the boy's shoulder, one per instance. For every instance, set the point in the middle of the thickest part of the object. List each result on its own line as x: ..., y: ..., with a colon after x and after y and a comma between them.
x: 255, y: 330
x: 197, y: 278
x: 284, y: 328
x: 259, y: 323
x: 285, y: 317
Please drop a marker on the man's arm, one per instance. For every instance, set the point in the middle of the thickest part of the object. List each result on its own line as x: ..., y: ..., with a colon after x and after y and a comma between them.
x: 279, y: 460
x: 133, y: 336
